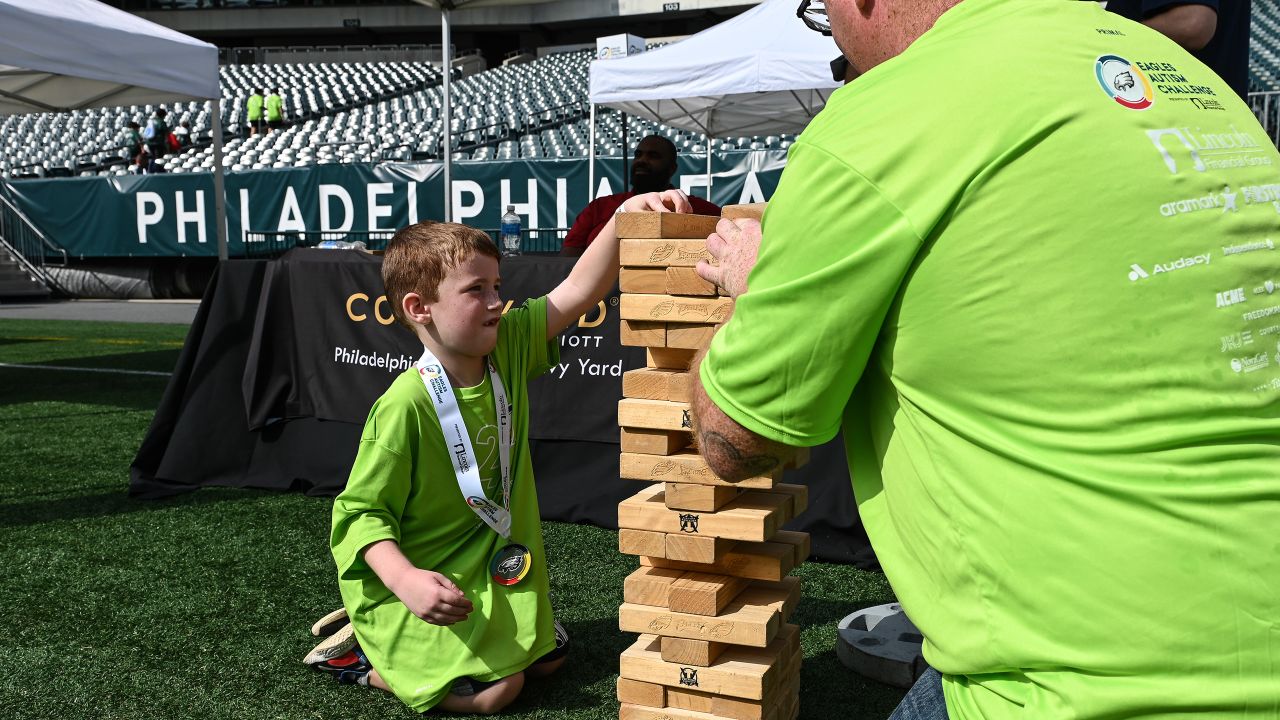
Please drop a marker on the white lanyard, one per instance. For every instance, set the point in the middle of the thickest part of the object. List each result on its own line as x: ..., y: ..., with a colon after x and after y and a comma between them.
x: 458, y: 441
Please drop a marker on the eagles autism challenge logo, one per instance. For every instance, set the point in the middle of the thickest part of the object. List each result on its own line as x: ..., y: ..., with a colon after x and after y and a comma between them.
x: 1124, y: 82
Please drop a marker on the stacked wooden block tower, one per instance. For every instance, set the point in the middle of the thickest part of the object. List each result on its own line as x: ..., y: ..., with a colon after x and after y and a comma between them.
x: 713, y: 597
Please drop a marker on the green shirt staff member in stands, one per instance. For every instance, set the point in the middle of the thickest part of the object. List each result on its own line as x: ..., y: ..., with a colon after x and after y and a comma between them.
x: 1027, y: 265
x: 253, y: 108
x: 275, y: 111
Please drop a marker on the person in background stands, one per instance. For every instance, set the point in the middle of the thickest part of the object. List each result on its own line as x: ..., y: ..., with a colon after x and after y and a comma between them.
x: 254, y: 109
x: 157, y: 140
x: 651, y: 171
x: 1216, y: 33
x: 275, y: 111
x: 133, y: 143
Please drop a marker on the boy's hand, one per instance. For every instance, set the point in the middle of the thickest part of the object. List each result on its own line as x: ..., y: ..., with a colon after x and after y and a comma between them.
x: 666, y: 201
x: 734, y: 245
x: 432, y: 597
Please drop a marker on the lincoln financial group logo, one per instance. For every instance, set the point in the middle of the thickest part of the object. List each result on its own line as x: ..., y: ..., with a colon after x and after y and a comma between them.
x: 1123, y: 82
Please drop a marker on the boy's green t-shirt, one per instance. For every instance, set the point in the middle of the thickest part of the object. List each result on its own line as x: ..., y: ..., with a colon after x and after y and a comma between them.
x: 1046, y: 321
x: 403, y: 488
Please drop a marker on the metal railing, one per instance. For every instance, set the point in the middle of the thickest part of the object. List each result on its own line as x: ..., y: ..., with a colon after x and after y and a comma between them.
x: 266, y: 244
x: 27, y: 244
x: 1266, y: 106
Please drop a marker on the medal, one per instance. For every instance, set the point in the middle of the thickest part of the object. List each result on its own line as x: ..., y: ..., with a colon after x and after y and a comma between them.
x: 510, y: 564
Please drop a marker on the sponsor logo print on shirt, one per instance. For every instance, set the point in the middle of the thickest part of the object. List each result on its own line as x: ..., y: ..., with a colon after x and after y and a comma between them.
x: 1231, y: 297
x: 1219, y: 150
x: 1138, y: 272
x: 1123, y: 82
x: 1252, y: 363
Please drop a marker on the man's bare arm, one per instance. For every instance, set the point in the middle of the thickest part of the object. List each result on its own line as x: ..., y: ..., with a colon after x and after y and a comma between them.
x: 733, y: 452
x: 1192, y: 25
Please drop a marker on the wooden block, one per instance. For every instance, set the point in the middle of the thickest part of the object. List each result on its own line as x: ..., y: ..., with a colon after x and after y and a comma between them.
x: 654, y: 414
x: 649, y: 383
x: 654, y: 442
x: 640, y: 712
x: 634, y: 692
x: 695, y: 548
x: 799, y: 541
x: 692, y: 700
x: 699, y: 593
x: 664, y: 225
x: 642, y: 542
x: 752, y: 618
x: 769, y: 561
x: 703, y: 498
x: 799, y: 495
x: 752, y: 211
x: 685, y: 466
x: 799, y: 459
x: 669, y: 358
x: 684, y: 651
x: 782, y: 596
x: 755, y: 516
x: 641, y: 333
x: 673, y: 309
x: 750, y: 673
x: 690, y: 337
x: 684, y: 281
x: 651, y: 281
x: 650, y: 586
x: 662, y: 253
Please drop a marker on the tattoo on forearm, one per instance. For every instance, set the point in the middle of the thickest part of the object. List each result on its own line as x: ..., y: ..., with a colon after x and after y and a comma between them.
x: 722, y: 451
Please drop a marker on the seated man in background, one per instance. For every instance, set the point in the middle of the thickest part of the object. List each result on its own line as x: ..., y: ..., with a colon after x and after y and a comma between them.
x: 651, y: 171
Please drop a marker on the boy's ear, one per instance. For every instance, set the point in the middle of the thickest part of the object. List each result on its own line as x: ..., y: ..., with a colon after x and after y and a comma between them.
x: 415, y: 309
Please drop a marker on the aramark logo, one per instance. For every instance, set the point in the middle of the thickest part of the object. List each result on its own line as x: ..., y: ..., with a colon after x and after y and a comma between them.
x: 1124, y: 82
x: 1137, y: 272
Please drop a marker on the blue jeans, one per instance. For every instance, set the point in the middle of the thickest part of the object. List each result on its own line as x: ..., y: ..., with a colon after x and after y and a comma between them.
x: 924, y: 700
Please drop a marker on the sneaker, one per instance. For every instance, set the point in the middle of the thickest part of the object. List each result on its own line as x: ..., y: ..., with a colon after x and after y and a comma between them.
x: 562, y: 636
x: 336, y: 645
x: 329, y: 624
x: 351, y: 668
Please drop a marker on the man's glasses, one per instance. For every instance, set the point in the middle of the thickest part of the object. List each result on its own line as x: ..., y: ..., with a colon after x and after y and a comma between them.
x: 814, y: 15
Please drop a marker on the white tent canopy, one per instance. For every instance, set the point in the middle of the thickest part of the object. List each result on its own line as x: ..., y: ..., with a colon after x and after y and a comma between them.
x: 74, y: 54
x: 762, y: 72
x: 60, y: 55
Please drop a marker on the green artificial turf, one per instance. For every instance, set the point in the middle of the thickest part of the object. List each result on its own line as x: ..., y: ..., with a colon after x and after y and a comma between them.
x: 199, y: 606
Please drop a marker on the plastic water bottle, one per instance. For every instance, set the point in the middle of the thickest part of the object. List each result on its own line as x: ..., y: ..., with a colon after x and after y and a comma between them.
x: 510, y: 233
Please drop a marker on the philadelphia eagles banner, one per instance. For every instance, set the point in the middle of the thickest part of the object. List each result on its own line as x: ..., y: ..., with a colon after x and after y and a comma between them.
x: 173, y: 214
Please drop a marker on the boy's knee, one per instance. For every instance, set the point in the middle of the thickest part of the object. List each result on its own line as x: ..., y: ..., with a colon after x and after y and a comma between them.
x: 499, y: 695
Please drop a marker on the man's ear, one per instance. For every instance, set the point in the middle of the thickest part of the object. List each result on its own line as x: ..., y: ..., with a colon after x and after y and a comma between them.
x: 415, y: 309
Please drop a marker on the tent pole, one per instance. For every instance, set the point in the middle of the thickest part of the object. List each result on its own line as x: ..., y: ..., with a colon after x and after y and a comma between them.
x: 710, y: 140
x: 219, y: 182
x: 591, y: 158
x: 447, y: 55
x: 626, y: 154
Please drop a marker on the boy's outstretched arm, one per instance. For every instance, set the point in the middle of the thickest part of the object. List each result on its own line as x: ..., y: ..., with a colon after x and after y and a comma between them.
x: 597, y: 269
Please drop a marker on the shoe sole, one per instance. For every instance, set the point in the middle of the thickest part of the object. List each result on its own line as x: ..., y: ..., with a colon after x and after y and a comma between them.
x: 334, y: 646
x: 329, y: 624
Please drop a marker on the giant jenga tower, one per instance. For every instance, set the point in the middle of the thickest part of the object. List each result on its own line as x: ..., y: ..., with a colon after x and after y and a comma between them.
x: 712, y: 598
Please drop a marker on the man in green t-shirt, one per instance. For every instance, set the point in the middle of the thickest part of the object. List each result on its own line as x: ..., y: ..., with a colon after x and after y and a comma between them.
x: 275, y: 111
x: 1026, y: 264
x: 253, y: 107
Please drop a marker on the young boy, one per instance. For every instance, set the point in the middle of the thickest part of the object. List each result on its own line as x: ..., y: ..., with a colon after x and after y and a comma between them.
x: 437, y: 536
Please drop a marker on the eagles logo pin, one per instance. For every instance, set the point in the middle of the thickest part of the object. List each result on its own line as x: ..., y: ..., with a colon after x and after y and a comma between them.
x: 510, y: 564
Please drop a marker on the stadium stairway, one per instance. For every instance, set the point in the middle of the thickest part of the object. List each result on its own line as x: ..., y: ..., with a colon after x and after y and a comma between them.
x: 15, y: 281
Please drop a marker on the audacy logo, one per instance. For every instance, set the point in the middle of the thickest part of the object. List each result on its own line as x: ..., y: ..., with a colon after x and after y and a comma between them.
x: 1137, y: 272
